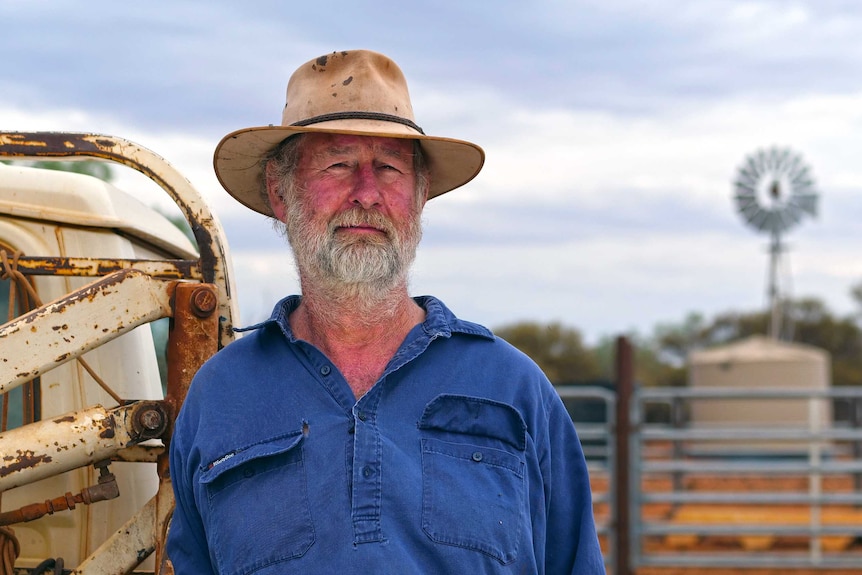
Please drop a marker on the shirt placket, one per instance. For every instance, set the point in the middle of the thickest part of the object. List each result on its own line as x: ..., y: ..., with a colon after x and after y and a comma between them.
x: 367, y: 455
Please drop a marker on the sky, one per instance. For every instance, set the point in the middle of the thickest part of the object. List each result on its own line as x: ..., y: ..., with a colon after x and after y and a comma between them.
x: 613, y: 130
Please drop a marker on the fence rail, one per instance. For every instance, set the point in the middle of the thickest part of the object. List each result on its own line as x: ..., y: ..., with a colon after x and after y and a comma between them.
x: 597, y: 439
x: 750, y: 494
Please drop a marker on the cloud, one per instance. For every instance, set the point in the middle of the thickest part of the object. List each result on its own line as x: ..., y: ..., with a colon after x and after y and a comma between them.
x: 613, y: 131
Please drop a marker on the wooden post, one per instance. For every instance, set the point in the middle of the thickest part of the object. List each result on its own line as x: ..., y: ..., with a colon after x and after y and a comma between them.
x: 625, y: 386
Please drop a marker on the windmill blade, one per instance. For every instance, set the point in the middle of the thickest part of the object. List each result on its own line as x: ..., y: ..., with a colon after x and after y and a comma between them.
x: 760, y: 219
x: 745, y: 198
x: 795, y: 167
x: 807, y: 203
x: 788, y: 217
x: 745, y: 182
x: 749, y: 210
x: 779, y: 159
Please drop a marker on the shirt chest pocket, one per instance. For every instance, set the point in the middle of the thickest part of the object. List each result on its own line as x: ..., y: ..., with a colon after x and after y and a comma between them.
x: 474, y: 492
x: 257, y: 502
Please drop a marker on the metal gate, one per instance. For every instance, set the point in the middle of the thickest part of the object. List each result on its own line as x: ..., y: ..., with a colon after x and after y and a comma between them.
x: 672, y: 492
x: 745, y: 495
x: 593, y: 409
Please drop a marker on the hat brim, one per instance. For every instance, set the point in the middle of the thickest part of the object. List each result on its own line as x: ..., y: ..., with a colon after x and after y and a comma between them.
x: 237, y: 158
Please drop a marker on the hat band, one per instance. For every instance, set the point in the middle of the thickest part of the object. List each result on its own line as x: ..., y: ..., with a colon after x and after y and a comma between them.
x: 359, y: 116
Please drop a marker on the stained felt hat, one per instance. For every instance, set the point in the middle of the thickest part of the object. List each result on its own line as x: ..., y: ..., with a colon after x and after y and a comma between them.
x: 353, y: 92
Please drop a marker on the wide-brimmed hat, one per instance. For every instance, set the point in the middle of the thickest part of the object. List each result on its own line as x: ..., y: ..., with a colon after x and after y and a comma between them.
x: 354, y: 92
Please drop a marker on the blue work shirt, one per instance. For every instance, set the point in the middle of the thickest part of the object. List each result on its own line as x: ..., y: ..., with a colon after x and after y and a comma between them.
x: 460, y: 460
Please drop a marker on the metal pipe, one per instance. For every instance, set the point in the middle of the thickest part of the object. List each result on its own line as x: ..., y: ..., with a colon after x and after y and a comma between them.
x: 47, y: 448
x: 64, y: 329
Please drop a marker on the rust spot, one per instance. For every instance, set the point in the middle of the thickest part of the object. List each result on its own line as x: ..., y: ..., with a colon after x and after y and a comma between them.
x: 24, y: 460
x: 59, y: 327
x: 322, y: 61
x: 64, y: 420
x: 108, y: 428
x: 203, y: 302
x: 144, y: 553
x: 347, y: 81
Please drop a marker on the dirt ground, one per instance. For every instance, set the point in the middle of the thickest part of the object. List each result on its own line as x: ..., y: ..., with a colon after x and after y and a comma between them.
x: 744, y: 514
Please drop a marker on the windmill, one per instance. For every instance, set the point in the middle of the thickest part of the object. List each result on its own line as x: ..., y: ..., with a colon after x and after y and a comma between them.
x: 773, y: 191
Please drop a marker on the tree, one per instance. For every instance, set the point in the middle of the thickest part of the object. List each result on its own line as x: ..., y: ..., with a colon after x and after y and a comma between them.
x: 651, y: 365
x: 558, y: 350
x: 675, y: 341
x: 856, y: 294
x: 809, y: 321
x: 101, y: 170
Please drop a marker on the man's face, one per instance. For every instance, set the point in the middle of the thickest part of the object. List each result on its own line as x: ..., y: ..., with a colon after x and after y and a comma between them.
x: 354, y: 215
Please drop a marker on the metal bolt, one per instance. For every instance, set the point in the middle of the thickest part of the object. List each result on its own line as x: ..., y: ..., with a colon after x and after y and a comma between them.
x: 150, y: 419
x: 204, y: 302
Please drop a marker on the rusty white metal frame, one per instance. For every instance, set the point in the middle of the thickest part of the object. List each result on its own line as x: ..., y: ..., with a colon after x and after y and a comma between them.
x: 135, y: 541
x: 128, y: 295
x: 214, y: 257
x: 65, y: 329
x: 53, y: 446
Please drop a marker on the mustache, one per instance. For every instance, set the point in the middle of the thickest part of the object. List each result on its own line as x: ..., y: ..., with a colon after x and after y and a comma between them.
x: 355, y: 217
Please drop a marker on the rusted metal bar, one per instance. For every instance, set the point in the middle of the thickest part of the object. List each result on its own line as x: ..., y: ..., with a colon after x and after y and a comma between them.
x: 856, y: 422
x: 104, y: 490
x: 193, y: 338
x: 139, y: 454
x: 80, y: 321
x: 50, y: 447
x: 95, y: 267
x: 625, y: 388
x: 214, y: 259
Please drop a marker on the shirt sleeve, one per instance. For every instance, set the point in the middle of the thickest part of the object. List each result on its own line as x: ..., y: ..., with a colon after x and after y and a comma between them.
x: 186, y: 546
x: 572, y: 544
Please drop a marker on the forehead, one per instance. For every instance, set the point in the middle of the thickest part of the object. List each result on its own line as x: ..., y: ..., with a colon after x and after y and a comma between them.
x: 316, y: 143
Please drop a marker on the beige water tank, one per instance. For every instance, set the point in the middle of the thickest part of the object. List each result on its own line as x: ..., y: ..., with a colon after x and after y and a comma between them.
x: 760, y: 362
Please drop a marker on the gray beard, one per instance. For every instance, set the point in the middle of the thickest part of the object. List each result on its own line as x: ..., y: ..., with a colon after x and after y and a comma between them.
x: 367, y: 268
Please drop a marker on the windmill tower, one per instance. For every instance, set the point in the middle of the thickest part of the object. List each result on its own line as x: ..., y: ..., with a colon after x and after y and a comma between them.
x: 773, y: 191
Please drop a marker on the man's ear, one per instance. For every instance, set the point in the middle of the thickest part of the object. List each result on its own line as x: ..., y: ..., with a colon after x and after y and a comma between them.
x: 276, y: 202
x: 427, y: 191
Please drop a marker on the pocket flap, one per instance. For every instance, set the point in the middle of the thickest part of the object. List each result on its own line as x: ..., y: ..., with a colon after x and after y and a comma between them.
x: 238, y: 457
x: 476, y: 416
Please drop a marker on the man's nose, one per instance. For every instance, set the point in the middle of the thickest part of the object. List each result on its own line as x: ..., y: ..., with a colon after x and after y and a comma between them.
x: 366, y: 188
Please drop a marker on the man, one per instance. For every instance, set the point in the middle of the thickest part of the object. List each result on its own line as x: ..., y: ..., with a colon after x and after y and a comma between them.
x: 359, y: 429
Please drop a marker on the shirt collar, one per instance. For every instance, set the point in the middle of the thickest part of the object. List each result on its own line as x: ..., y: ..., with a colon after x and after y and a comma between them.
x: 439, y: 319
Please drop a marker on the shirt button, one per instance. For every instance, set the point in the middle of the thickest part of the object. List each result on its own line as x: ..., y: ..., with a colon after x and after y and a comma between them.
x: 362, y: 416
x: 248, y: 472
x: 325, y: 370
x: 477, y: 456
x: 367, y: 472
